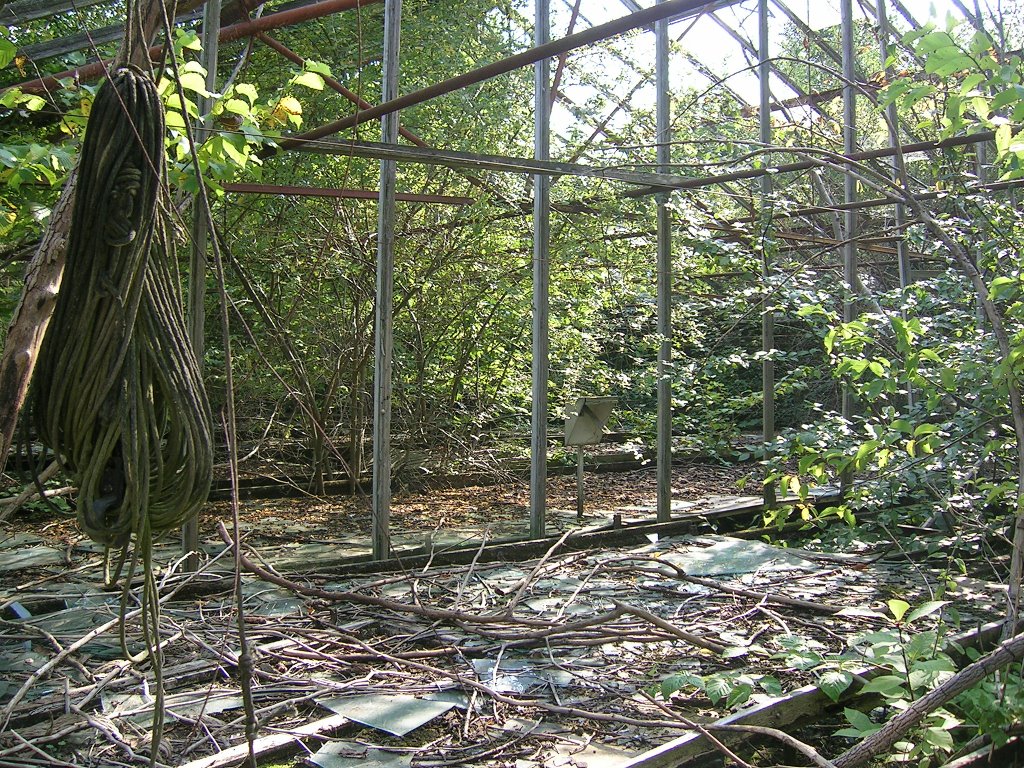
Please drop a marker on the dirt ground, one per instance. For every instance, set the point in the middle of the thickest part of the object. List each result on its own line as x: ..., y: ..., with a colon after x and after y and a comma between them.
x: 632, y: 493
x: 438, y: 508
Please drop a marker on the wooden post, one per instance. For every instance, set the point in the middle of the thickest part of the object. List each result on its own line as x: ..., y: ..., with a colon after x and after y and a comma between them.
x: 580, y: 491
x: 383, y: 323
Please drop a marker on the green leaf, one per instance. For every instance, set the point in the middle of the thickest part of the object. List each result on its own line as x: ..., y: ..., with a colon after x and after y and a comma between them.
x: 939, y: 738
x: 925, y: 609
x: 770, y: 685
x: 317, y: 66
x: 898, y: 608
x: 309, y: 80
x: 1004, y: 134
x: 186, y: 39
x: 851, y: 733
x: 674, y: 683
x: 10, y: 98
x: 7, y: 51
x: 890, y: 686
x: 234, y: 148
x: 795, y: 487
x: 860, y: 721
x: 195, y: 82
x: 902, y: 425
x: 248, y: 91
x: 830, y: 340
x: 739, y: 695
x: 865, y: 450
x: 237, y: 106
x: 1004, y: 98
x: 971, y: 82
x: 32, y: 103
x: 718, y: 688
x: 1002, y: 286
x: 834, y: 682
x: 174, y: 120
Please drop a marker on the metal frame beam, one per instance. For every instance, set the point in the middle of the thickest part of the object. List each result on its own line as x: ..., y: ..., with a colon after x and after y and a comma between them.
x: 198, y: 266
x: 341, y: 193
x: 651, y: 183
x: 485, y: 162
x: 541, y: 268
x: 249, y: 28
x: 892, y: 120
x: 850, y: 222
x: 538, y: 53
x: 384, y: 311
x: 764, y: 69
x: 663, y: 141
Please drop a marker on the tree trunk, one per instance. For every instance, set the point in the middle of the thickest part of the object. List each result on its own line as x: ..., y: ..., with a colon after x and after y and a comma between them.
x: 32, y: 316
x: 357, y: 424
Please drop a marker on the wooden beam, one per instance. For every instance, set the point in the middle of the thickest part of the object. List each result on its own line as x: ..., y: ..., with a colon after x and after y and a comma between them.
x: 268, y: 745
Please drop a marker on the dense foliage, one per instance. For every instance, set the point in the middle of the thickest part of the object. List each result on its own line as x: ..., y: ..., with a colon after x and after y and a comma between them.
x: 302, y: 270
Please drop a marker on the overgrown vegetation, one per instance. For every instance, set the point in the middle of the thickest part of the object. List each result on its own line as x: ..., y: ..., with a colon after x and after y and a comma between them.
x: 933, y: 365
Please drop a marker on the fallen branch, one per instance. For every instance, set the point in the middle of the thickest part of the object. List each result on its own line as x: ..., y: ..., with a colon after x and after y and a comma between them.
x: 882, y: 740
x: 682, y: 634
x: 12, y: 504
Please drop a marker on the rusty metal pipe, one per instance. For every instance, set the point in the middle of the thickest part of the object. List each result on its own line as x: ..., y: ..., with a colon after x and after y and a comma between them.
x: 227, y: 34
x: 517, y: 61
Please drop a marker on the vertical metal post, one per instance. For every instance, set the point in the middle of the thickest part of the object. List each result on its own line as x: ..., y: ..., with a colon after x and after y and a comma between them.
x: 663, y: 139
x: 541, y: 238
x: 849, y: 194
x: 383, y: 321
x: 200, y: 236
x: 892, y: 117
x: 849, y: 182
x: 767, y: 313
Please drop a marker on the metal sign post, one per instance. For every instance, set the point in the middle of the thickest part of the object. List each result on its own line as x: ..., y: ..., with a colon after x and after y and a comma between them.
x: 584, y: 425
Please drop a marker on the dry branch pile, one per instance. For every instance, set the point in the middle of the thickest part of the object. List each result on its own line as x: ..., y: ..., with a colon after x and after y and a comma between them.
x: 501, y: 661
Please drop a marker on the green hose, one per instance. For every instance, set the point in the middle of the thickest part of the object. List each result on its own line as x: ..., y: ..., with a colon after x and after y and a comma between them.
x: 117, y: 393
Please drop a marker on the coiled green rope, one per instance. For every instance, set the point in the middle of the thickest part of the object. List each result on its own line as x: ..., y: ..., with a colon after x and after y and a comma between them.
x: 117, y: 392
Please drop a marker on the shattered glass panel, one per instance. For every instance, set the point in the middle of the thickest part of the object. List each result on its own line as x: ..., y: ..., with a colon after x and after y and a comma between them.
x: 397, y: 714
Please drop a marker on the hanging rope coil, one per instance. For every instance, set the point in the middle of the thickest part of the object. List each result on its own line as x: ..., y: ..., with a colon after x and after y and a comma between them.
x: 117, y: 392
